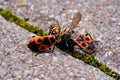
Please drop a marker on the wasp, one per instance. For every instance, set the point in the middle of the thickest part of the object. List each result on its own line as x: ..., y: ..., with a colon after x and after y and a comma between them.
x: 74, y: 40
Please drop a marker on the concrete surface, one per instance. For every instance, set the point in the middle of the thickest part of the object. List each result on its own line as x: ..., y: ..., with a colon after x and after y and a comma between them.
x: 17, y: 62
x: 100, y: 18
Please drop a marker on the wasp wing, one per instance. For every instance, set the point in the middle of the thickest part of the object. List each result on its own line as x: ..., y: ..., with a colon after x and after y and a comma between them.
x: 76, y: 19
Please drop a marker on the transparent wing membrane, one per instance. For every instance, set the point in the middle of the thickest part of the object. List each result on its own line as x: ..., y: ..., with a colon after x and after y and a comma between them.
x: 76, y: 19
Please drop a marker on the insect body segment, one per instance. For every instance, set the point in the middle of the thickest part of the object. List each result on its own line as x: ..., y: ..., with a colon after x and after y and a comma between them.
x: 41, y: 43
x: 44, y: 43
x: 85, y: 42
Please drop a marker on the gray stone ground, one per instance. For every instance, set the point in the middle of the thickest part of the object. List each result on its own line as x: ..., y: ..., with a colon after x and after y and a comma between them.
x: 101, y: 18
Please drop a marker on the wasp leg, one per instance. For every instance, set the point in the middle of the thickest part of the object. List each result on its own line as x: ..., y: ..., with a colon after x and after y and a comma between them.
x: 66, y: 41
x: 53, y: 49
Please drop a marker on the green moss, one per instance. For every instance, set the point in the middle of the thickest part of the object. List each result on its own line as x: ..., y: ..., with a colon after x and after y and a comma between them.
x: 89, y: 59
x: 9, y: 16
